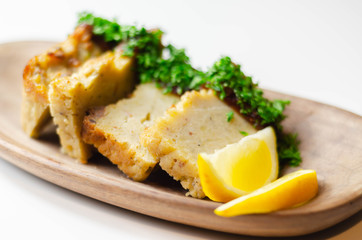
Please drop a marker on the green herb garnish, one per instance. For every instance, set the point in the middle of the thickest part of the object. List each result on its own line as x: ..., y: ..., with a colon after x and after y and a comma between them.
x: 287, y: 147
x: 227, y: 79
x: 111, y: 31
x: 244, y: 133
x: 175, y: 73
x: 229, y: 116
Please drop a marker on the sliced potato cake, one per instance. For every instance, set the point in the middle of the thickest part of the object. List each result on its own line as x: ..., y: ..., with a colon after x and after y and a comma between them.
x: 100, y: 81
x: 198, y: 123
x: 115, y: 129
x: 61, y: 60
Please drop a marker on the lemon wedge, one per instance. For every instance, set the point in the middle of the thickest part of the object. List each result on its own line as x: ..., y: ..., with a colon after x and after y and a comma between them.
x: 291, y: 190
x: 239, y: 168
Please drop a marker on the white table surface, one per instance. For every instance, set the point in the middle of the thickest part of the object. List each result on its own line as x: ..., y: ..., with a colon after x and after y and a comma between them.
x: 311, y: 49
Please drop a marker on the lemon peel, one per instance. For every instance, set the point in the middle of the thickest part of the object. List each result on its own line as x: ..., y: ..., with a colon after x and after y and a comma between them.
x: 291, y: 190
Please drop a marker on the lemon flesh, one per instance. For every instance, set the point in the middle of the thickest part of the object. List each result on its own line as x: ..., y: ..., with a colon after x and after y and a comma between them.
x: 239, y: 168
x: 288, y: 191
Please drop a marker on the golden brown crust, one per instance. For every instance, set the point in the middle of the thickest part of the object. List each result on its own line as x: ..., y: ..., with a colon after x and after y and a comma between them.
x: 118, y: 153
x: 90, y: 134
x: 58, y: 61
x: 70, y: 57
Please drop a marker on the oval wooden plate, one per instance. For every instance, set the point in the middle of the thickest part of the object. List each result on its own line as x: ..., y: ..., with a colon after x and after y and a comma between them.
x: 331, y: 143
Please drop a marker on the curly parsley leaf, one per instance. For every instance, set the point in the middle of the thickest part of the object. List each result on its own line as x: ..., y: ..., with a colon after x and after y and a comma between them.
x: 244, y: 133
x: 229, y: 116
x: 227, y: 79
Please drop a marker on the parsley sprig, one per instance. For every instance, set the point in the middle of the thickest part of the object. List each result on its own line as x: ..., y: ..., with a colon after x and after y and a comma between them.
x: 175, y: 73
x: 227, y: 79
x: 111, y: 31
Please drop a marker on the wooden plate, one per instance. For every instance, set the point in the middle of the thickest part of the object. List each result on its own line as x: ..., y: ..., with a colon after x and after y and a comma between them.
x: 331, y: 144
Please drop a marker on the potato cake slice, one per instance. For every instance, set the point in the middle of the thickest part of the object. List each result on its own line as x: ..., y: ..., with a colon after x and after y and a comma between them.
x: 115, y: 129
x: 100, y: 81
x: 198, y: 123
x: 61, y: 60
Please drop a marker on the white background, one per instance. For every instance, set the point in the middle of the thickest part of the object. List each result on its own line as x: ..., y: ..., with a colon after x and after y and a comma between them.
x: 311, y: 49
